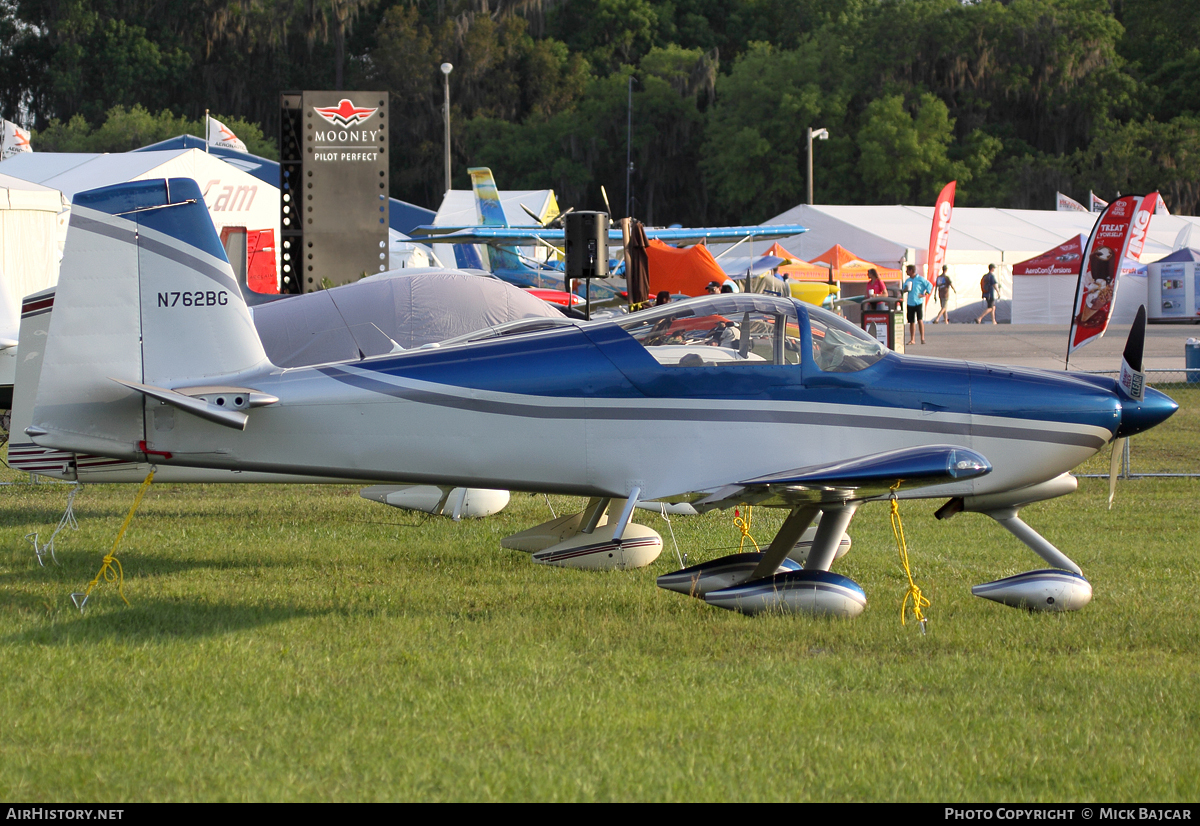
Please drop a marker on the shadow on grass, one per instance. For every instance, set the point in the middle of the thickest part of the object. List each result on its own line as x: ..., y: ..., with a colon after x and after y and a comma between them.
x: 157, y: 620
x: 37, y: 515
x: 76, y: 563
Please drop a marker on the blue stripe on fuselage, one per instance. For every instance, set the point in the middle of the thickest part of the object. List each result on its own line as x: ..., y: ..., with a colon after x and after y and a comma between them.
x: 600, y: 360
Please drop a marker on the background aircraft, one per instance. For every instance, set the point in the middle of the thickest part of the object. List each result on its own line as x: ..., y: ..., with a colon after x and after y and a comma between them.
x: 502, y: 242
x: 796, y: 409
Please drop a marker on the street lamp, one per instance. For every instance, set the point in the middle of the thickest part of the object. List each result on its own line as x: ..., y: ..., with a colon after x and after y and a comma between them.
x: 447, y: 68
x: 629, y: 147
x: 819, y: 134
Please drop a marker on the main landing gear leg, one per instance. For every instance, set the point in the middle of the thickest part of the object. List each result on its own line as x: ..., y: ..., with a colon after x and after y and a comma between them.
x: 1061, y: 588
x: 769, y: 581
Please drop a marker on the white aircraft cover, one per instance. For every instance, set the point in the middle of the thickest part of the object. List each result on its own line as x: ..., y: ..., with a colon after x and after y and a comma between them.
x: 411, y: 307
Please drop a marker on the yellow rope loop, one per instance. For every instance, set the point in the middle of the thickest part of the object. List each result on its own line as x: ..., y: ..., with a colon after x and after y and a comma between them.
x: 110, y: 568
x: 913, y: 593
x: 743, y: 525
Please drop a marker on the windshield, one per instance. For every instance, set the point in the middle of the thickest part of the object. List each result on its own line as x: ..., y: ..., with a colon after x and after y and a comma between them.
x: 839, y: 346
x: 723, y: 330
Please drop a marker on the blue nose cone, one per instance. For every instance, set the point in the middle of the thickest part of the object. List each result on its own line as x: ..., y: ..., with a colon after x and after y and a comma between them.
x: 1156, y: 408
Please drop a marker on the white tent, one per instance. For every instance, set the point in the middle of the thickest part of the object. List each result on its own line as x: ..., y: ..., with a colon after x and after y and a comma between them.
x: 234, y: 198
x: 29, y: 253
x: 899, y: 235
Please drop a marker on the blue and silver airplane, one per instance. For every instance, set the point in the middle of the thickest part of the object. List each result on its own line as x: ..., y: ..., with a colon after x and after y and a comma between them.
x: 152, y: 356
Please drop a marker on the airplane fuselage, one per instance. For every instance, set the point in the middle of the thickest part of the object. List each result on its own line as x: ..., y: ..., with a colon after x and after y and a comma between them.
x: 587, y: 411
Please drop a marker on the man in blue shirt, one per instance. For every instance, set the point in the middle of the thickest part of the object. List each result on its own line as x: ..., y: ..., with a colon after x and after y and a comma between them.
x: 916, y: 287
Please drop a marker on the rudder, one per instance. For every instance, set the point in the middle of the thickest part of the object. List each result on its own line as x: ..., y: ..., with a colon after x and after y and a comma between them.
x: 145, y: 295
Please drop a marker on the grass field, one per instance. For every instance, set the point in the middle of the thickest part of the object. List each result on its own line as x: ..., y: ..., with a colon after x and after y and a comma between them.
x: 301, y: 643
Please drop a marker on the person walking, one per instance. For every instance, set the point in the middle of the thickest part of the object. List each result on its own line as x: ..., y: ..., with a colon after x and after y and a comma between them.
x: 916, y: 287
x: 989, y: 286
x: 944, y: 285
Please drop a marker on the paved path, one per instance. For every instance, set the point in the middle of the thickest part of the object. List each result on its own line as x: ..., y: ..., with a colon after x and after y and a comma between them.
x: 1045, y: 345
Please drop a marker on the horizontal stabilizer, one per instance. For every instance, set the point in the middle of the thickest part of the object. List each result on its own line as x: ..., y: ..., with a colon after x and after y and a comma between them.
x: 910, y: 466
x: 196, y: 406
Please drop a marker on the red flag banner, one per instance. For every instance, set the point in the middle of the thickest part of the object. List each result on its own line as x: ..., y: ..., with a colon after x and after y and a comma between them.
x: 1141, y: 224
x: 1101, y: 265
x: 939, y: 233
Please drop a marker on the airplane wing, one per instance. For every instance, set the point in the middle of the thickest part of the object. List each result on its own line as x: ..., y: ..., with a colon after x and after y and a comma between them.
x: 863, y: 477
x: 557, y: 237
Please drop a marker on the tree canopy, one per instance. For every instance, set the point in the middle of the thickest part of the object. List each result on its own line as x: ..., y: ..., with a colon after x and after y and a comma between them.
x: 1013, y: 98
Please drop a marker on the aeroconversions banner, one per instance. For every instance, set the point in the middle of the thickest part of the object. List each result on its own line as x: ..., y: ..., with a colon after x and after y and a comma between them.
x: 939, y: 233
x: 15, y: 141
x: 1101, y: 265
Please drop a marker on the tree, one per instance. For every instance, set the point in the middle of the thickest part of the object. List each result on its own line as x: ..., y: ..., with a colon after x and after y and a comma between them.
x: 755, y: 144
x: 126, y: 129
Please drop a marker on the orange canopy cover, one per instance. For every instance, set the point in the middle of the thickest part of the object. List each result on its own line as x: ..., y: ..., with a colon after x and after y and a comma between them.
x: 687, y: 271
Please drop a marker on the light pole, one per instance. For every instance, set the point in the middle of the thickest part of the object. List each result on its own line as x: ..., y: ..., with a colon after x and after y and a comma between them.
x: 819, y: 134
x: 629, y: 147
x: 447, y: 68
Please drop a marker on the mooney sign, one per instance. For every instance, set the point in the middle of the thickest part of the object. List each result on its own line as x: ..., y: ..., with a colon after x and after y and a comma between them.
x: 334, y: 187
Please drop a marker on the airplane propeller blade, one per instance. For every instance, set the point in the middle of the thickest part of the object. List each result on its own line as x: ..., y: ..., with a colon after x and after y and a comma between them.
x: 532, y: 214
x: 1114, y: 468
x: 1132, y: 382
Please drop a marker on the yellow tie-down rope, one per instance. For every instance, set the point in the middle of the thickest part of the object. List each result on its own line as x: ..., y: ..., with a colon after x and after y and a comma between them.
x: 743, y: 525
x: 914, y: 593
x: 110, y: 569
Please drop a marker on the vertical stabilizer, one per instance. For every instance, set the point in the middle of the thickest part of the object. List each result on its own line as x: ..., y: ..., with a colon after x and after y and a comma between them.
x: 145, y: 295
x: 487, y: 198
x: 491, y: 214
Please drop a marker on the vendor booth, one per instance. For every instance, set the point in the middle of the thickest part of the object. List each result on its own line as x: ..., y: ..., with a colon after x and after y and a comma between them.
x: 1174, y: 287
x: 1043, y: 287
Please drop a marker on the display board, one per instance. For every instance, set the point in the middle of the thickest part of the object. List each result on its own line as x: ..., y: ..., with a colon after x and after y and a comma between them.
x: 333, y: 187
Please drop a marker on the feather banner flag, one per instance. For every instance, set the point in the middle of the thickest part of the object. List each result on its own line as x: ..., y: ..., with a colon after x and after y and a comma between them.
x: 939, y: 233
x: 1121, y: 222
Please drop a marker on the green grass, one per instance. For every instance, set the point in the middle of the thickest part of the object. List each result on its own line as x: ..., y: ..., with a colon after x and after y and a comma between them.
x: 1172, y: 447
x: 300, y: 643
